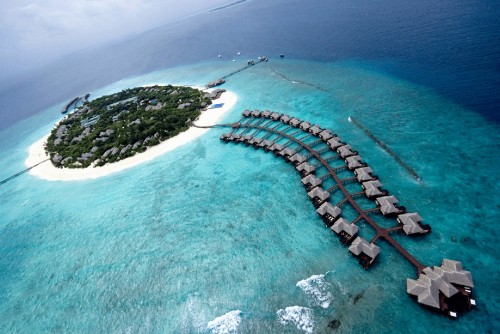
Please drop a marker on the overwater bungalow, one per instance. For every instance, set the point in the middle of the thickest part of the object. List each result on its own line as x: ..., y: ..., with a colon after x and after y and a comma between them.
x: 266, y: 144
x: 335, y: 143
x: 225, y: 137
x: 328, y: 213
x: 346, y: 151
x: 255, y: 113
x: 287, y: 152
x: 285, y: 119
x: 366, y: 252
x: 265, y: 113
x: 245, y: 139
x: 345, y: 230
x: 311, y: 181
x: 354, y: 162
x: 446, y: 288
x: 297, y: 159
x: 318, y: 195
x: 388, y: 205
x: 412, y: 223
x: 326, y: 135
x: 235, y: 137
x: 315, y: 130
x: 372, y: 189
x: 276, y: 148
x: 275, y: 116
x: 305, y: 169
x: 305, y: 125
x: 246, y: 113
x: 294, y: 122
x: 255, y: 141
x: 364, y: 174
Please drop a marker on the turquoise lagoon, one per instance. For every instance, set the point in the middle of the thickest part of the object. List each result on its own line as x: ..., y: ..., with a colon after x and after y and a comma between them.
x: 214, y: 238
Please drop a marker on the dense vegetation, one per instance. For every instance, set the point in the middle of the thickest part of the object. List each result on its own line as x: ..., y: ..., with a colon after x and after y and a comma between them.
x: 115, y: 127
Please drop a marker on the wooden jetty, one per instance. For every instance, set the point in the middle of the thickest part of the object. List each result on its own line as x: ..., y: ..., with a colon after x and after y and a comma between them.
x: 22, y: 172
x: 249, y: 64
x: 310, y: 148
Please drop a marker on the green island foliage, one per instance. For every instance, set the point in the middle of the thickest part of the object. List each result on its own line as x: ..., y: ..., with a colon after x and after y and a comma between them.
x: 114, y: 127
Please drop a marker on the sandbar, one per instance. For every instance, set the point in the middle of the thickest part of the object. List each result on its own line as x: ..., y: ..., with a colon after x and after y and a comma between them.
x: 47, y: 171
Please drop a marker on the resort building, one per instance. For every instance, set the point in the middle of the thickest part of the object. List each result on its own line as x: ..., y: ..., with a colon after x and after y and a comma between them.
x: 275, y: 116
x: 318, y: 196
x: 328, y: 213
x: 266, y: 144
x: 345, y: 230
x: 255, y: 113
x: 345, y: 151
x: 364, y: 251
x: 294, y: 122
x: 326, y: 135
x: 446, y: 288
x: 387, y: 205
x: 311, y: 181
x: 412, y: 224
x: 265, y: 113
x: 354, y: 162
x: 287, y: 152
x: 285, y: 119
x: 315, y: 130
x: 364, y: 174
x: 335, y: 142
x: 372, y: 189
x: 305, y: 169
x: 276, y: 148
x: 305, y: 125
x: 297, y: 159
x: 255, y: 141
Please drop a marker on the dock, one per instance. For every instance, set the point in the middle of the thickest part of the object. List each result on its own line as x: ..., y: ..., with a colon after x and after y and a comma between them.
x: 249, y: 64
x: 22, y: 172
x: 74, y: 103
x: 337, y: 179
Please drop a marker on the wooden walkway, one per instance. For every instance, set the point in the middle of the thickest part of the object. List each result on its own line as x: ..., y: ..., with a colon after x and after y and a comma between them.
x: 22, y: 172
x: 304, y: 141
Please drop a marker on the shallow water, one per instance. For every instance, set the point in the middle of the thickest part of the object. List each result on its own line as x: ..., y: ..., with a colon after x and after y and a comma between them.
x: 214, y: 237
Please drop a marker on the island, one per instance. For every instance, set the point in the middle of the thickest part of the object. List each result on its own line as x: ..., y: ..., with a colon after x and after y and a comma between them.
x: 115, y: 127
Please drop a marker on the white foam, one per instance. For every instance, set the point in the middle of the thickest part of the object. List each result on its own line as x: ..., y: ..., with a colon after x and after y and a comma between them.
x: 301, y: 317
x: 316, y: 287
x: 226, y: 324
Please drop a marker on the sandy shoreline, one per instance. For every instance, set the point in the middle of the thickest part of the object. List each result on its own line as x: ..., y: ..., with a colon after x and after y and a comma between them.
x: 47, y: 171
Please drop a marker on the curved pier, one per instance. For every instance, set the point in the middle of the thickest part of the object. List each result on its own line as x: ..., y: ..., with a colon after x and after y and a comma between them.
x: 311, y: 149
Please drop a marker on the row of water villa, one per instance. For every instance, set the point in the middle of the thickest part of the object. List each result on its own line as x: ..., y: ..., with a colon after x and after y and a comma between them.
x: 338, y: 183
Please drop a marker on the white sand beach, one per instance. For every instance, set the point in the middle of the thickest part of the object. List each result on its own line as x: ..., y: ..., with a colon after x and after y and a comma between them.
x: 47, y: 171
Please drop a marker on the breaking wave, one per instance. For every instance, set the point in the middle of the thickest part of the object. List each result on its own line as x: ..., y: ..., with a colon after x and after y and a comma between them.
x: 316, y: 287
x: 226, y: 324
x: 301, y: 317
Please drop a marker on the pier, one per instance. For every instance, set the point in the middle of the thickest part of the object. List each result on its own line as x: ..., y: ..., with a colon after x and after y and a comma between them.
x: 74, y: 102
x: 337, y: 180
x: 249, y: 64
x: 22, y: 172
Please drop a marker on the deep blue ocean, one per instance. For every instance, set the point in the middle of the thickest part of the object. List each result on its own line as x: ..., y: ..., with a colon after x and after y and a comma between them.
x: 215, y: 238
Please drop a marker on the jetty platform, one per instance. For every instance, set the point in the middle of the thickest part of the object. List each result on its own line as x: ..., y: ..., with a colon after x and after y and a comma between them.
x: 344, y: 192
x: 249, y: 64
